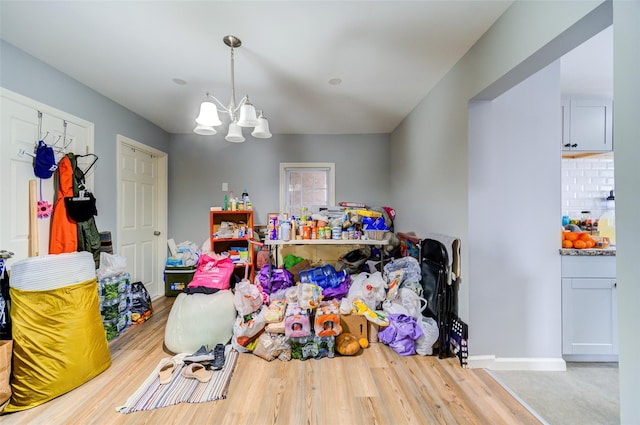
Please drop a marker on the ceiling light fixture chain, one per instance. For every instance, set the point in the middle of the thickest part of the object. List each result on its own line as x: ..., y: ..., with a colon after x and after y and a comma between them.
x: 208, y: 117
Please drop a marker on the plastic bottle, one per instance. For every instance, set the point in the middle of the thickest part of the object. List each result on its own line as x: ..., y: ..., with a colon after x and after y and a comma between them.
x: 607, y: 221
x: 243, y: 196
x: 226, y: 203
x: 247, y: 203
x: 285, y: 230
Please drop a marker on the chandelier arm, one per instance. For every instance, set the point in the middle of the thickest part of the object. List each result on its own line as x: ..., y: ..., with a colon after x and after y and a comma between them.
x: 222, y: 107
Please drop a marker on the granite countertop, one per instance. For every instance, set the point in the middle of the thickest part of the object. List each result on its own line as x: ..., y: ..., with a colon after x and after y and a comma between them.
x: 588, y: 252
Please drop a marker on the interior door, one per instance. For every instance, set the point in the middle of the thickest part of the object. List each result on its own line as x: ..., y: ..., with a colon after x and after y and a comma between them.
x: 24, y: 123
x: 141, y: 232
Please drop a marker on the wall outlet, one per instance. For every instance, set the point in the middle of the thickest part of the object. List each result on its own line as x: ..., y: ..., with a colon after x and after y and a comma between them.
x: 225, y: 187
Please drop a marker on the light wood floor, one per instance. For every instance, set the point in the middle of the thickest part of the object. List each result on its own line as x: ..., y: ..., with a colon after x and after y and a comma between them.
x: 376, y: 387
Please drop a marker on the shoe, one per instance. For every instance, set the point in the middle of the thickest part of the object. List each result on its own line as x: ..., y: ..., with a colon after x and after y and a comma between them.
x: 203, y: 354
x: 196, y: 371
x: 218, y: 357
x: 166, y: 372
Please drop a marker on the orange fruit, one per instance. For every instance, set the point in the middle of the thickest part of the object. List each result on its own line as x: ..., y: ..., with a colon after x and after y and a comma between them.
x: 584, y: 237
x: 572, y: 236
x: 567, y: 244
x: 579, y: 244
x: 563, y: 235
x: 590, y: 243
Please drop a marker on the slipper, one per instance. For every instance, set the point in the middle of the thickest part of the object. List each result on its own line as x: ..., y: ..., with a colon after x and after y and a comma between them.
x: 197, y: 371
x: 166, y: 372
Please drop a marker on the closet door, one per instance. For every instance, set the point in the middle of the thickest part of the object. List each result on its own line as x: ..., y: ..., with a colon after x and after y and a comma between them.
x: 20, y: 129
x: 140, y: 232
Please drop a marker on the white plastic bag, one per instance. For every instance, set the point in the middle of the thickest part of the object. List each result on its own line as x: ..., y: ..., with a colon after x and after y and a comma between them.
x: 247, y: 298
x: 370, y: 288
x: 424, y: 344
x: 407, y: 303
x: 111, y: 265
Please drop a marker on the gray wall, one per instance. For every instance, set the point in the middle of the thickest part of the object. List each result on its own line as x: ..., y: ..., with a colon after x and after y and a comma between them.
x: 514, y: 158
x: 432, y: 140
x: 23, y: 74
x: 198, y: 166
x: 626, y: 130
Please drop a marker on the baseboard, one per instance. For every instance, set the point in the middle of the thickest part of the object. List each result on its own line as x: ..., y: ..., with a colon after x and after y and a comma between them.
x: 492, y: 362
x: 591, y: 358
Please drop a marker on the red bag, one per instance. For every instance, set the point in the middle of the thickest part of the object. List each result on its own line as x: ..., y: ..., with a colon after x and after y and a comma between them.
x: 212, y: 272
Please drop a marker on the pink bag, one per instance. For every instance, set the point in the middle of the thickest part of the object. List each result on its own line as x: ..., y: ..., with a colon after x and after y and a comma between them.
x: 212, y: 272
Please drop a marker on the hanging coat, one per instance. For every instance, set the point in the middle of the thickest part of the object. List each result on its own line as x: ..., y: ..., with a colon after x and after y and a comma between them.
x: 64, y: 231
x: 88, y: 234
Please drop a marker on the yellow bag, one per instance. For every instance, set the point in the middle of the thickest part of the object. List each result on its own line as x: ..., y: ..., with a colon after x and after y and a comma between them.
x: 5, y: 369
x: 59, y: 342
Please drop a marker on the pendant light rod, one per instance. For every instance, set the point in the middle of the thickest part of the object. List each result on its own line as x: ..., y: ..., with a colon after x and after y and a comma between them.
x: 208, y: 117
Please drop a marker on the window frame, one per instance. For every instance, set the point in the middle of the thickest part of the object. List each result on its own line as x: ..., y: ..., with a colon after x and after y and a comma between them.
x: 311, y: 166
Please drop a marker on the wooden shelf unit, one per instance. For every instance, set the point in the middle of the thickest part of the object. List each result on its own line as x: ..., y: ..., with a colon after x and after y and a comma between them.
x: 220, y: 245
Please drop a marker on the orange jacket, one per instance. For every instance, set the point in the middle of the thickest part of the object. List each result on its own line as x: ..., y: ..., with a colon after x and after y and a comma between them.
x: 64, y: 231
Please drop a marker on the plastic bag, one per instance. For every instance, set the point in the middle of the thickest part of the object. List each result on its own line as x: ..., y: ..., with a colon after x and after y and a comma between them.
x: 274, y: 279
x: 246, y: 329
x: 424, y: 344
x: 247, y: 298
x: 309, y: 295
x: 141, y: 308
x: 370, y: 288
x: 270, y: 346
x: 352, y: 261
x: 401, y: 334
x: 275, y: 312
x: 111, y: 265
x: 409, y: 265
x: 212, y: 272
x: 407, y: 302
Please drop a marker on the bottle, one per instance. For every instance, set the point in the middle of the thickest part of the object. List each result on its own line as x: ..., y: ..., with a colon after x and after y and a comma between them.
x: 607, y: 221
x: 285, y: 230
x: 247, y: 203
x: 243, y: 196
x: 226, y: 203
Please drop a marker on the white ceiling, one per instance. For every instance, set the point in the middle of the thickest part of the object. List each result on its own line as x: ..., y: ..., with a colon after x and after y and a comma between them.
x: 388, y: 54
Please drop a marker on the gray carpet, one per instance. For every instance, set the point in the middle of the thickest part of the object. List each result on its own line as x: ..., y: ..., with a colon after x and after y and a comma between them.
x: 586, y: 394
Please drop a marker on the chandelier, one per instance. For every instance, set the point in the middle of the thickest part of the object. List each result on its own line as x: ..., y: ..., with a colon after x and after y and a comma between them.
x: 241, y: 115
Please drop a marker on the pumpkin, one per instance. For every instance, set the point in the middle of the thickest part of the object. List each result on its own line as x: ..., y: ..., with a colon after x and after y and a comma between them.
x: 347, y: 344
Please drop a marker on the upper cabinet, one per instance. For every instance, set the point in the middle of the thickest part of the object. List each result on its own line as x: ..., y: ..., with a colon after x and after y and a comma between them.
x: 587, y: 124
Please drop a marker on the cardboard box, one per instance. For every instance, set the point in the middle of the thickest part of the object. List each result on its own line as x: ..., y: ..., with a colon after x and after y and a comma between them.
x: 355, y: 324
x: 373, y: 331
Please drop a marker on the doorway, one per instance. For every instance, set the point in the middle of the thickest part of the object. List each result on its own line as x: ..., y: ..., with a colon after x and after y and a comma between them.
x: 142, y: 212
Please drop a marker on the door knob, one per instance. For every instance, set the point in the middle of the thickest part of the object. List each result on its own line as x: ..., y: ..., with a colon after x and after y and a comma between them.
x: 156, y: 233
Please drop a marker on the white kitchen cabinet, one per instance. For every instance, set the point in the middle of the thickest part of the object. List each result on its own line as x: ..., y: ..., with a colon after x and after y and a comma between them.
x: 589, y: 308
x: 587, y: 124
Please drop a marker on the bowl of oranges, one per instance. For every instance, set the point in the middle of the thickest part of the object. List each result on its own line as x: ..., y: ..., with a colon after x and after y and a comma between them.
x: 578, y: 240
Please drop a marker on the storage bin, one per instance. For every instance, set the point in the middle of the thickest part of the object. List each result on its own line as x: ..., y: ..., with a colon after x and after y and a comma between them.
x: 176, y: 279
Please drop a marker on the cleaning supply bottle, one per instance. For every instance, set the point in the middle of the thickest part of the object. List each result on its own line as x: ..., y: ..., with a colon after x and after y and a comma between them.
x: 226, y: 203
x: 607, y: 221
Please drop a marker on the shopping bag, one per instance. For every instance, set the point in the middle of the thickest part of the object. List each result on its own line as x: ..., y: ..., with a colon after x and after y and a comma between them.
x: 212, y: 272
x: 6, y: 349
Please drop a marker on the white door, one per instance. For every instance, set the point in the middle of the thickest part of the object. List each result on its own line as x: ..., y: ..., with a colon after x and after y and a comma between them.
x: 142, y: 209
x: 24, y: 122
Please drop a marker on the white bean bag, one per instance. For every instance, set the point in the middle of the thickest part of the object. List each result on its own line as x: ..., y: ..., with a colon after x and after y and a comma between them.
x: 200, y: 319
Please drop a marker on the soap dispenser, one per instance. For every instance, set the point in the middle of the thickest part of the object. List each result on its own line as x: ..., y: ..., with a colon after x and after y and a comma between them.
x: 607, y: 221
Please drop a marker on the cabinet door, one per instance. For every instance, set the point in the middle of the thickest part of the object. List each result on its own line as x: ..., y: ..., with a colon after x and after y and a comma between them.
x: 590, y: 125
x: 589, y: 316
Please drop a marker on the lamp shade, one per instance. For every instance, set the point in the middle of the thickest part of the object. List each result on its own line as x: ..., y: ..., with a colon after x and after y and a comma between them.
x: 208, y: 115
x: 235, y: 134
x: 262, y: 129
x: 247, y: 115
x: 204, y: 130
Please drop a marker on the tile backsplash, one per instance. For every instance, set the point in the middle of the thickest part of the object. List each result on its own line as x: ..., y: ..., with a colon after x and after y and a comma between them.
x: 586, y: 183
